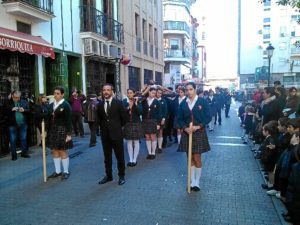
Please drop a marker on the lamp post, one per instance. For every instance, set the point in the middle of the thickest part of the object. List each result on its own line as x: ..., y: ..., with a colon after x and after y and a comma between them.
x: 269, y: 50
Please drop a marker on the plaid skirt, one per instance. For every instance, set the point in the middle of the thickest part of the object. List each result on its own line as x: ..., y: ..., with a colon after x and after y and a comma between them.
x: 56, y: 138
x: 133, y: 131
x: 149, y: 126
x: 200, y: 142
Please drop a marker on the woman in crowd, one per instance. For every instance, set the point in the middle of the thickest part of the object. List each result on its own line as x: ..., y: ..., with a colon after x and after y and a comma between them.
x: 213, y: 108
x: 194, y: 110
x: 292, y: 102
x: 164, y: 115
x: 177, y: 102
x: 151, y: 117
x: 133, y: 129
x: 59, y: 135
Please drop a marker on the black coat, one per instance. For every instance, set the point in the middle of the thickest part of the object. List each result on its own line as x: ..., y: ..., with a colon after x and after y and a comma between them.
x: 153, y: 111
x: 111, y: 124
x: 271, y: 111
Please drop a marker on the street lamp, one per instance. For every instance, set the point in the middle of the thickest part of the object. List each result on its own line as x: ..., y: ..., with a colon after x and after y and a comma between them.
x: 269, y: 50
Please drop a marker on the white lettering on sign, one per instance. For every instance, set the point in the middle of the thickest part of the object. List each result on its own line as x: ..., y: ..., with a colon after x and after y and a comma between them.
x: 18, y: 45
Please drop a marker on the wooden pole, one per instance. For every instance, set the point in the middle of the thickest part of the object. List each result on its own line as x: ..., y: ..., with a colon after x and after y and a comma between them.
x: 44, y: 151
x: 190, y: 159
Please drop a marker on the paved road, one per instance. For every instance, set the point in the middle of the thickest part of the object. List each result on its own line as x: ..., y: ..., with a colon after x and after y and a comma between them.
x: 155, y: 191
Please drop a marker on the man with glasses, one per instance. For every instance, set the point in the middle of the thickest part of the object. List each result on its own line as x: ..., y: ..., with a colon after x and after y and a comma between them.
x: 16, y: 111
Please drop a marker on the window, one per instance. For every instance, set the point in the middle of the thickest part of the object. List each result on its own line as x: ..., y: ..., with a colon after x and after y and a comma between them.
x: 144, y: 30
x: 267, y: 20
x: 137, y: 25
x: 23, y: 27
x: 148, y: 75
x: 282, y: 45
x: 174, y: 44
x: 267, y: 3
x: 155, y: 37
x: 267, y: 9
x: 150, y: 34
x: 283, y: 31
x: 134, y: 78
x: 203, y: 36
x: 293, y: 31
x: 266, y: 31
x: 158, y: 78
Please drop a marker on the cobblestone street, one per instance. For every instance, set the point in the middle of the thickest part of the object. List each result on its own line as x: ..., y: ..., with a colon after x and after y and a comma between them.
x: 154, y: 193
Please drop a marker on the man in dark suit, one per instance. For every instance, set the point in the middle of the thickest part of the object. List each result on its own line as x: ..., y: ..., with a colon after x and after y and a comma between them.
x: 111, y: 117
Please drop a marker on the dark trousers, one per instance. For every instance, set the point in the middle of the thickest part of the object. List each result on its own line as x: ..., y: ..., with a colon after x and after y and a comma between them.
x: 93, y: 128
x: 117, y: 146
x: 13, y: 138
x: 77, y: 123
x: 227, y: 108
x: 219, y: 116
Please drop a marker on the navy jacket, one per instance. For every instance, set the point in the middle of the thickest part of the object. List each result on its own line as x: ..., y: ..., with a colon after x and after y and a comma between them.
x: 10, y: 115
x: 153, y: 111
x: 135, y: 112
x: 164, y: 108
x: 200, y: 113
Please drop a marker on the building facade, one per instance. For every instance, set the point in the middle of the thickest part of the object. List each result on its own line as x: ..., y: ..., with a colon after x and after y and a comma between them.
x: 143, y: 46
x: 275, y: 25
x: 178, y: 40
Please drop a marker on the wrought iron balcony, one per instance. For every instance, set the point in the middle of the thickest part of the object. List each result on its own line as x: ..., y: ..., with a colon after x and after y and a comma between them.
x: 93, y: 20
x: 185, y: 2
x: 36, y: 10
x: 176, y: 26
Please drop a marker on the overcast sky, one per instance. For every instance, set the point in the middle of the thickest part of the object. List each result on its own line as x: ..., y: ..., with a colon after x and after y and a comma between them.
x: 221, y: 35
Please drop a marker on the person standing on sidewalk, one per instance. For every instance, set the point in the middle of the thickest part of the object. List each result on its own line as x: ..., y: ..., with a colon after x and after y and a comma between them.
x: 213, y: 108
x: 76, y: 101
x: 133, y: 130
x: 219, y: 106
x: 194, y: 110
x: 112, y: 117
x: 227, y: 99
x: 59, y: 138
x: 90, y: 117
x: 16, y: 110
x: 164, y: 116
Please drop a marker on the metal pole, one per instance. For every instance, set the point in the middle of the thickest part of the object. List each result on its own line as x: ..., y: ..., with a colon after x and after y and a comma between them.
x: 269, y: 69
x: 44, y: 151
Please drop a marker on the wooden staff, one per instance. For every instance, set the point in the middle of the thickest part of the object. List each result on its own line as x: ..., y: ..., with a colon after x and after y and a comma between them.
x: 190, y: 158
x: 44, y: 151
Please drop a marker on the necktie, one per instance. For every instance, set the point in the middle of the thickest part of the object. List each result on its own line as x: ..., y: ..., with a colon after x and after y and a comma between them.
x: 107, y: 107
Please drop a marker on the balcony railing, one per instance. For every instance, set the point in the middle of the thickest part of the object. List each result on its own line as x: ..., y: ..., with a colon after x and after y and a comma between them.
x: 186, y: 2
x: 295, y: 51
x: 138, y: 44
x: 43, y: 5
x: 176, y: 25
x: 151, y: 50
x: 178, y: 53
x: 93, y: 20
x: 145, y: 48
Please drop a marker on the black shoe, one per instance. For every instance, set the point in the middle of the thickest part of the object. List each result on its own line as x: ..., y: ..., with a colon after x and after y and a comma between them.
x: 134, y: 164
x: 130, y: 164
x: 196, y: 188
x: 266, y: 187
x: 148, y: 157
x: 92, y: 145
x: 65, y: 176
x: 14, y: 157
x: 25, y: 155
x: 54, y: 175
x: 159, y: 150
x: 121, y: 181
x: 105, y: 180
x: 152, y: 157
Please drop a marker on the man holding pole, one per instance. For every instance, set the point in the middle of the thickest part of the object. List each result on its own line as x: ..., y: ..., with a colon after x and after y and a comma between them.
x: 193, y: 116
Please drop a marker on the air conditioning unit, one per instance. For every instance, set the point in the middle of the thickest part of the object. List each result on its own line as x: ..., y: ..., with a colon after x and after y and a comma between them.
x: 91, y: 46
x: 115, y: 52
x: 104, y: 50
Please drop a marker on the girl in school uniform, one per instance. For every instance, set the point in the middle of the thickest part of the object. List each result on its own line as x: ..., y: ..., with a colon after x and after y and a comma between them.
x: 133, y: 130
x: 164, y: 115
x: 151, y: 120
x: 59, y: 134
x: 181, y: 97
x: 196, y: 110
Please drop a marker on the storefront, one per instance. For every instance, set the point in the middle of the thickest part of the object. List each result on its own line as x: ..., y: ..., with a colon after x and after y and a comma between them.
x: 21, y: 68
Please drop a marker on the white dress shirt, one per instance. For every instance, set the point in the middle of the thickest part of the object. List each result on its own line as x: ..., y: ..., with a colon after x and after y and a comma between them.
x: 56, y: 104
x: 191, y: 103
x: 105, y: 104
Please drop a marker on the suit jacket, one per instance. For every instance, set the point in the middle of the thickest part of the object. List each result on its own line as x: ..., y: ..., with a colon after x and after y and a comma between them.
x: 201, y: 114
x: 111, y: 123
